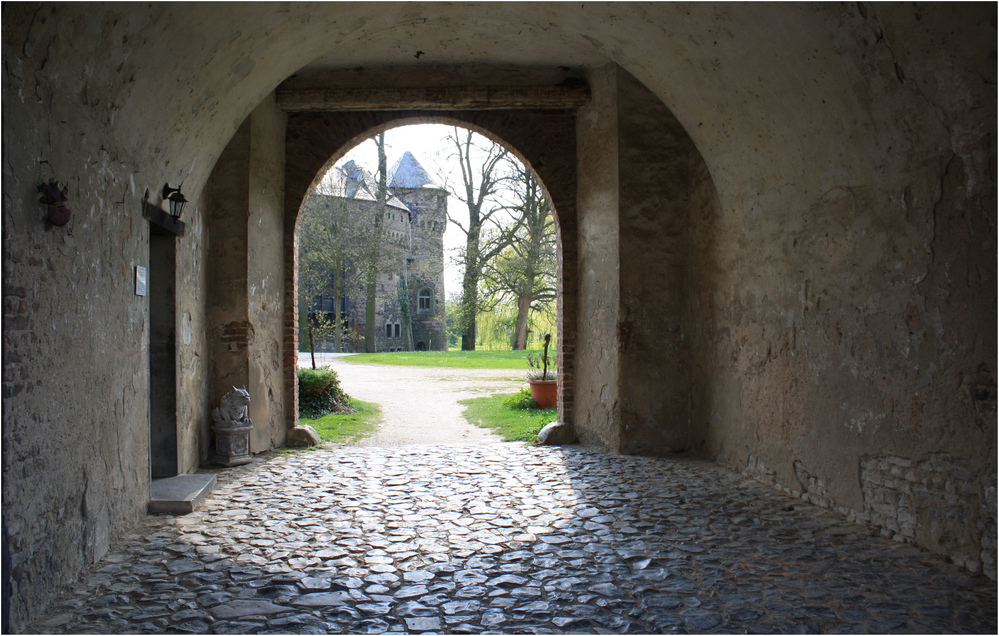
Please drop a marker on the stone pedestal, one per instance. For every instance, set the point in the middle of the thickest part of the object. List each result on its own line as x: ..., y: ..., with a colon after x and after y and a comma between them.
x: 232, y: 445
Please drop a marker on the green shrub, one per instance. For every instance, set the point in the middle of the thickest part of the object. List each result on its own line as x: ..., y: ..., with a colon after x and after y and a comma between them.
x: 319, y: 392
x: 521, y: 400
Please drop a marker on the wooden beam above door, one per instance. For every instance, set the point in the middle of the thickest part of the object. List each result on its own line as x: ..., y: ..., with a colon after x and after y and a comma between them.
x: 561, y: 97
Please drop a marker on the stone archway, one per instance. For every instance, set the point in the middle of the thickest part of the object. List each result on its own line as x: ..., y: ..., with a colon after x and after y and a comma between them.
x: 542, y: 139
x: 853, y: 150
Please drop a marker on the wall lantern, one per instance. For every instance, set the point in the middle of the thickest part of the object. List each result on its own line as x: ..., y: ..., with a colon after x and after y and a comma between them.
x: 160, y: 221
x: 176, y: 199
x: 59, y: 213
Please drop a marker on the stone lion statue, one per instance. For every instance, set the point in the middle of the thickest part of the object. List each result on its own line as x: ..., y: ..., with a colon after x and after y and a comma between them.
x: 234, y: 410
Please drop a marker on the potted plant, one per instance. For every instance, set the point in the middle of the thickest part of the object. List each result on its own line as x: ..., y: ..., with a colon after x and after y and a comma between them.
x: 544, y: 391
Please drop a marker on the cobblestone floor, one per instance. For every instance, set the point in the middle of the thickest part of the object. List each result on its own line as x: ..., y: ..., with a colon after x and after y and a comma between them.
x: 510, y: 538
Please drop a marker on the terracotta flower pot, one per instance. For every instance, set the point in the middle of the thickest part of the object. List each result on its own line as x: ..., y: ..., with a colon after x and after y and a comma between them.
x: 544, y: 392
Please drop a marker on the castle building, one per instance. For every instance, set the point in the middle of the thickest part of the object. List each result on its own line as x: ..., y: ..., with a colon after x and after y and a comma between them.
x: 410, y: 258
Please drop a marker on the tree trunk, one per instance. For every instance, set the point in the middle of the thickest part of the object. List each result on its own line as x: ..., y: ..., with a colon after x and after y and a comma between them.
x: 475, y: 196
x: 369, y: 310
x: 523, y: 312
x: 469, y: 307
x: 338, y: 318
x: 470, y: 288
x: 312, y: 348
x: 369, y: 313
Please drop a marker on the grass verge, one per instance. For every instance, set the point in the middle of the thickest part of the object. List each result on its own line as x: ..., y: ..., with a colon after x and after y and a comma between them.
x: 513, y: 424
x: 456, y: 359
x: 347, y: 428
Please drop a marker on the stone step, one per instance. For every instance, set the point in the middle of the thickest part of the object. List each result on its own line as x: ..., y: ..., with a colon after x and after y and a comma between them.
x: 181, y: 494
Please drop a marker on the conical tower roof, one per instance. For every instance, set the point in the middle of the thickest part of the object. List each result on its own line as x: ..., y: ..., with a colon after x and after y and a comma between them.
x: 352, y: 181
x: 408, y: 173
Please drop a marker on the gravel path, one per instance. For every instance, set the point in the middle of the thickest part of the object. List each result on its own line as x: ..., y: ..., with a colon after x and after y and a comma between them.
x: 420, y: 404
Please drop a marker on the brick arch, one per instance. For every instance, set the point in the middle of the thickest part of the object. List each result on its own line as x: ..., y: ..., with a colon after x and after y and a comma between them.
x: 544, y: 140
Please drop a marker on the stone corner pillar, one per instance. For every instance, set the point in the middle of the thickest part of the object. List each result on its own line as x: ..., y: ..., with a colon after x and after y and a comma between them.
x: 597, y: 409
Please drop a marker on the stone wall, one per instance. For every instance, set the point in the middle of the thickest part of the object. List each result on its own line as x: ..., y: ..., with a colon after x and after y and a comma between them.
x: 265, y: 279
x: 226, y: 204
x: 75, y: 356
x: 417, y: 236
x: 932, y: 500
x: 597, y: 407
x: 841, y: 286
x: 426, y: 271
x: 656, y: 158
x: 244, y: 198
x: 193, y: 397
x: 844, y: 337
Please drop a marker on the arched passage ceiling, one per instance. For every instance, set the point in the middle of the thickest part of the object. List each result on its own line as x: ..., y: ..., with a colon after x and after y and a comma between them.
x: 774, y: 95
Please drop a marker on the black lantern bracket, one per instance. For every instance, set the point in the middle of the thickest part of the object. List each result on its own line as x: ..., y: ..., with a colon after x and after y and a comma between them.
x: 161, y: 222
x: 176, y: 199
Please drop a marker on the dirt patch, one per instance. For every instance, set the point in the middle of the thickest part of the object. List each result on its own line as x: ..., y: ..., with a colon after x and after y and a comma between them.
x: 420, y: 404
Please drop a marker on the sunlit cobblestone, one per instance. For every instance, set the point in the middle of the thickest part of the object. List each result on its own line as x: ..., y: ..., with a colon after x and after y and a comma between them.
x: 511, y: 538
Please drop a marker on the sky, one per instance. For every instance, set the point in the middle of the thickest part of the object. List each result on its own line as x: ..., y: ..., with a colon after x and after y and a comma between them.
x: 428, y: 144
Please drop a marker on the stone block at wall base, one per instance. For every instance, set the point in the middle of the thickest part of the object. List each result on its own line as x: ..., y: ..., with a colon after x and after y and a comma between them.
x: 302, y: 435
x: 557, y: 433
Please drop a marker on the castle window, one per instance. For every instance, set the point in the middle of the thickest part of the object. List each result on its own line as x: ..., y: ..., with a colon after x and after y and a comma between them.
x: 426, y: 301
x: 388, y: 330
x: 398, y: 330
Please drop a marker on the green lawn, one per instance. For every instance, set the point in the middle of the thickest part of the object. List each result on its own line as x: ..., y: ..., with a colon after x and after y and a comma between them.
x: 347, y: 428
x: 459, y: 359
x: 514, y: 425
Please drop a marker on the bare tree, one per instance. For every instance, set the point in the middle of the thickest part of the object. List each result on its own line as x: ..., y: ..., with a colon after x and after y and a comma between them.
x: 525, y: 271
x: 486, y: 234
x: 374, y: 246
x: 329, y: 236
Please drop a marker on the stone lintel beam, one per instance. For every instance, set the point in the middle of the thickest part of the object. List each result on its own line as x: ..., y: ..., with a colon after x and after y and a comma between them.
x: 568, y: 97
x: 164, y: 222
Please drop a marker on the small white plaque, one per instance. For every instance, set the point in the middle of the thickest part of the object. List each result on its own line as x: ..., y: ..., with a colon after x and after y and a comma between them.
x: 140, y: 280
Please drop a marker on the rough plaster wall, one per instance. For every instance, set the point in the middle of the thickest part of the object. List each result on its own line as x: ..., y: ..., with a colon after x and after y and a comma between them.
x: 223, y: 63
x: 655, y: 156
x: 244, y: 203
x: 226, y: 205
x: 597, y: 356
x: 858, y: 319
x: 797, y: 110
x: 75, y: 385
x: 265, y: 281
x: 75, y: 471
x: 193, y: 403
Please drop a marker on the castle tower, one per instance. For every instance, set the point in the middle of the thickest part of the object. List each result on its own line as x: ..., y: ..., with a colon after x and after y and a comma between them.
x: 427, y: 202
